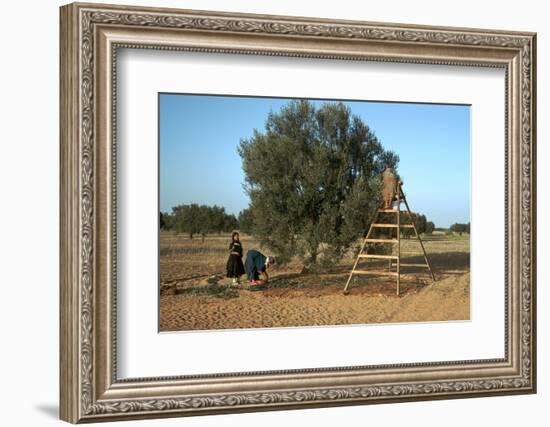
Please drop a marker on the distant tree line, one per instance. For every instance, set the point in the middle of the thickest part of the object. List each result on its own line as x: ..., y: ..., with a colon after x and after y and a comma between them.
x: 460, y: 228
x: 195, y: 219
x: 423, y: 226
x: 430, y: 227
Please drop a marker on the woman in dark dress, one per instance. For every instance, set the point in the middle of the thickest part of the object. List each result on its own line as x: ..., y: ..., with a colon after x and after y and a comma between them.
x: 235, y: 267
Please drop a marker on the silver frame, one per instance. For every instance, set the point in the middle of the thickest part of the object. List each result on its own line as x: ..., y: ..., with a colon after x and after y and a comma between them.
x: 90, y: 37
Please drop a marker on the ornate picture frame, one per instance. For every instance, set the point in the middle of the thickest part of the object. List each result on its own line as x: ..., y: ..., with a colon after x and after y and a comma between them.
x: 90, y: 36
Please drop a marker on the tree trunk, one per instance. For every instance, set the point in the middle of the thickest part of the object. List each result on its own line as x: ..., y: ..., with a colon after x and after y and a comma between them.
x: 313, y: 253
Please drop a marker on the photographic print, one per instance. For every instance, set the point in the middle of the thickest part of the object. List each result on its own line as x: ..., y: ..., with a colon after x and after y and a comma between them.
x: 281, y: 212
x: 298, y: 190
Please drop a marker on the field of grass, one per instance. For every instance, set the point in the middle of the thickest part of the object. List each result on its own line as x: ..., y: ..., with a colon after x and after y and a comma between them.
x: 195, y: 292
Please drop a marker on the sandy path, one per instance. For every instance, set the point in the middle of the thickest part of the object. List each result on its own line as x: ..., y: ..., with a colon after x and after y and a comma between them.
x: 321, y: 304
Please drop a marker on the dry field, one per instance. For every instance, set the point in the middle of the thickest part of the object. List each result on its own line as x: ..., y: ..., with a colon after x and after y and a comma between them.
x: 194, y: 292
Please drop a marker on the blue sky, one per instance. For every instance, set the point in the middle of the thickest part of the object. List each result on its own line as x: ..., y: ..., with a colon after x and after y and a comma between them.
x: 199, y: 162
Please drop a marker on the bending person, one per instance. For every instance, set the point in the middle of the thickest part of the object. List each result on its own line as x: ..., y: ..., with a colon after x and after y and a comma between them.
x: 256, y: 265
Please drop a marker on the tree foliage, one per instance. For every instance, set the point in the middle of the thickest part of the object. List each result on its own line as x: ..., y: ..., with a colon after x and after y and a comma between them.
x: 198, y: 219
x: 430, y: 227
x: 246, y: 220
x: 312, y: 177
x: 420, y: 222
x: 460, y: 228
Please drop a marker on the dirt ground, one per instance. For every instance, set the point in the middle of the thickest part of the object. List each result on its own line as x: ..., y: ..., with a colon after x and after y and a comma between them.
x: 195, y: 294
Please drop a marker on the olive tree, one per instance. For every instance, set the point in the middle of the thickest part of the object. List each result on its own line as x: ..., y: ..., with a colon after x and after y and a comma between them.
x: 312, y: 175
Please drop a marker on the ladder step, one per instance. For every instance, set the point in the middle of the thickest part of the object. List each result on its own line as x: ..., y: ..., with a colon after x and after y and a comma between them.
x: 378, y: 256
x: 376, y: 272
x: 412, y: 265
x: 387, y: 210
x: 381, y: 240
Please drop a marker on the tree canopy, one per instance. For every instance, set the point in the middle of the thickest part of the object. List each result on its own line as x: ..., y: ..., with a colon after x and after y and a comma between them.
x: 312, y: 176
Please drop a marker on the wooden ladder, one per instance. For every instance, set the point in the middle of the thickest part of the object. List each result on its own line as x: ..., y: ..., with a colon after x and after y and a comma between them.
x: 399, y: 198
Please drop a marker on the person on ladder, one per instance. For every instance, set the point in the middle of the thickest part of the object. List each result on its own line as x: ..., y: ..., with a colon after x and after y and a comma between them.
x: 390, y: 187
x: 391, y: 192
